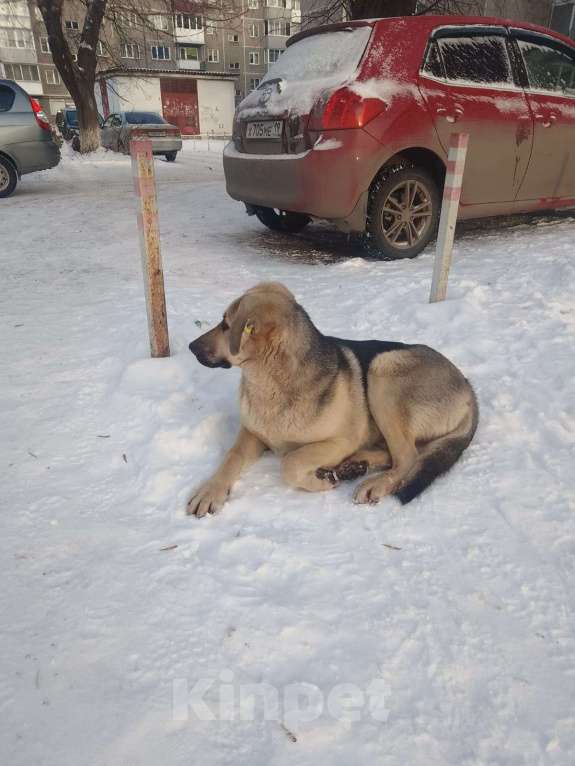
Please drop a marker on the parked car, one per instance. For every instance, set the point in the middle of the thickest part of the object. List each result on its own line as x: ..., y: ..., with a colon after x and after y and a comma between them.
x: 353, y: 123
x: 119, y: 127
x: 26, y: 142
x: 67, y: 124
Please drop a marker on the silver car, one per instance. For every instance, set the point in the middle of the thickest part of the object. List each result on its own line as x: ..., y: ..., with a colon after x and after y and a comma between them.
x: 120, y: 127
x: 26, y: 140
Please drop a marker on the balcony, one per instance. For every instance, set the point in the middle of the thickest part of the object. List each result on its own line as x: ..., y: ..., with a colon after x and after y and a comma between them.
x: 189, y: 36
x: 18, y: 55
x: 188, y: 64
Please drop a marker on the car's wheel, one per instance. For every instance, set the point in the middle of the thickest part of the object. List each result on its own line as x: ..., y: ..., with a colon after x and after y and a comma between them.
x: 282, y: 220
x: 8, y: 178
x: 171, y: 156
x: 403, y: 213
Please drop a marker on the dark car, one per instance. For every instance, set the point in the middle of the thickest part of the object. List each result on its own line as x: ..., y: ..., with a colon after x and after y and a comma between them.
x: 26, y: 141
x: 67, y: 124
x: 353, y: 123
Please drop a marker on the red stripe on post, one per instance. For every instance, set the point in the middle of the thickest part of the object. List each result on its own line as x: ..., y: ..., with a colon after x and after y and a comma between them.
x: 459, y: 140
x: 451, y: 166
x: 451, y: 193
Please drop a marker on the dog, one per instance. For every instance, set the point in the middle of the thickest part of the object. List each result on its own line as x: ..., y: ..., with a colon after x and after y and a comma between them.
x: 333, y: 409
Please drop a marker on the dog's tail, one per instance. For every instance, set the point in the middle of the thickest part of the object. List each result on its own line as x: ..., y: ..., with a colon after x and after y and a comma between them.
x: 437, y: 457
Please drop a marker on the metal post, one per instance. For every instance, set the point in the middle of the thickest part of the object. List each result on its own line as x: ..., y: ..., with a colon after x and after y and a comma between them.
x: 449, y: 209
x: 149, y: 228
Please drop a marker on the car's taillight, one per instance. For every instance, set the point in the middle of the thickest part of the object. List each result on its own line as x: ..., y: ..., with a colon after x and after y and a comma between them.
x: 40, y: 115
x: 344, y: 109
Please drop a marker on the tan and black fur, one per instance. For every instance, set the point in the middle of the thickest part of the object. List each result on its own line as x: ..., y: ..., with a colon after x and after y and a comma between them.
x: 333, y: 409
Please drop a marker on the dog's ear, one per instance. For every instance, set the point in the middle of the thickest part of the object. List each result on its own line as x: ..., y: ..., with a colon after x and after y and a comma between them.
x: 242, y: 326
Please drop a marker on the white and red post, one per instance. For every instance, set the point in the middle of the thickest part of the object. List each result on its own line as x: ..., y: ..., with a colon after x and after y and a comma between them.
x: 449, y: 209
x: 149, y: 228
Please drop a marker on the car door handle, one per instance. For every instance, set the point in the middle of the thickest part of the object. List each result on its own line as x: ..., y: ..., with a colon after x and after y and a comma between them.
x: 546, y: 120
x: 450, y: 116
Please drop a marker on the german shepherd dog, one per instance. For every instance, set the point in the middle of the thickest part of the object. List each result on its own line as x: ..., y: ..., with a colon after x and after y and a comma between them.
x: 333, y: 409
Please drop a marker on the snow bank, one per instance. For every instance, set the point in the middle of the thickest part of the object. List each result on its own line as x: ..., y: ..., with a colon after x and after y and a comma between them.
x: 450, y: 622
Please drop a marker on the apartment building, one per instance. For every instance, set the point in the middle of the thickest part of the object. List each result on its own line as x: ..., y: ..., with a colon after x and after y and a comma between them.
x: 533, y: 11
x: 563, y: 17
x: 251, y: 41
x: 25, y: 54
x: 237, y: 38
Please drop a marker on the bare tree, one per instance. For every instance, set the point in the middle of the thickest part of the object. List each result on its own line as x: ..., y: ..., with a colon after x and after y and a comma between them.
x: 109, y: 23
x: 77, y: 70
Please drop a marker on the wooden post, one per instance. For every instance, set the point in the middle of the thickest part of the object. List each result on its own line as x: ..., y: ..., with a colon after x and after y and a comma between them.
x: 449, y: 209
x: 149, y: 228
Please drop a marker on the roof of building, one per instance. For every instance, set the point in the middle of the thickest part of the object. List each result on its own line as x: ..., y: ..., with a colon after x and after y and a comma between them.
x: 184, y: 73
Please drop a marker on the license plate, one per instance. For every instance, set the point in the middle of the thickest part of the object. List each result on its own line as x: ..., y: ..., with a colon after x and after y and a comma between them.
x: 267, y: 129
x: 158, y: 134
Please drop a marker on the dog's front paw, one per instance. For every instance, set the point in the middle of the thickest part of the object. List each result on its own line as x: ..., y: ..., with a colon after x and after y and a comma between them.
x: 372, y: 490
x: 208, y: 498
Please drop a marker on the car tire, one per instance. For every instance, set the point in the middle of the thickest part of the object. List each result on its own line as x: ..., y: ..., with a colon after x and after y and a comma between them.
x: 403, y: 213
x: 8, y: 177
x: 282, y: 220
x: 171, y: 156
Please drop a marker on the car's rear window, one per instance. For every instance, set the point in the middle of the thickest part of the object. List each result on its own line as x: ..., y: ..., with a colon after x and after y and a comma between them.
x: 7, y: 97
x: 323, y: 55
x: 144, y: 118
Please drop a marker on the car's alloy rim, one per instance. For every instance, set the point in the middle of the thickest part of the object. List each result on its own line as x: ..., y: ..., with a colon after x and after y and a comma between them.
x: 406, y: 214
x: 4, y: 178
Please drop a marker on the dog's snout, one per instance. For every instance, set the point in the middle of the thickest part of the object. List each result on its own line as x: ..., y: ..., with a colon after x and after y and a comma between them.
x: 194, y: 346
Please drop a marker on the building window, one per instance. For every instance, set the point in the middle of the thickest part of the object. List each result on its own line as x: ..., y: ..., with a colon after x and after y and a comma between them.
x: 295, y: 5
x: 253, y: 4
x: 233, y: 39
x: 100, y: 50
x: 254, y: 58
x: 187, y: 53
x: 273, y: 55
x: 254, y: 83
x: 234, y: 64
x: 25, y: 72
x: 213, y: 56
x: 185, y: 21
x: 126, y: 19
x: 71, y: 24
x: 210, y: 28
x: 52, y: 76
x: 159, y: 21
x: 277, y: 28
x: 130, y: 51
x: 45, y: 45
x: 160, y: 52
x: 254, y: 30
x: 16, y: 38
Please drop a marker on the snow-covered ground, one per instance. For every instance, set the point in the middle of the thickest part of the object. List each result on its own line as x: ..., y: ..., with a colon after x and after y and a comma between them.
x: 450, y: 623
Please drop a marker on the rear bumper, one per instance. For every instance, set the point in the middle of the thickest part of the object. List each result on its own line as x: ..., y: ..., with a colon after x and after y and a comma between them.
x: 38, y: 155
x: 322, y: 182
x: 168, y: 144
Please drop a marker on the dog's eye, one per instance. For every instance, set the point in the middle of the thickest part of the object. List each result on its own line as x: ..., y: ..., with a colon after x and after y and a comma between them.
x: 224, y: 325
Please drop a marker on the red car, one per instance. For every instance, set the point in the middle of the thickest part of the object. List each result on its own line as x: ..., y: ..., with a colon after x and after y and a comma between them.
x: 352, y: 125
